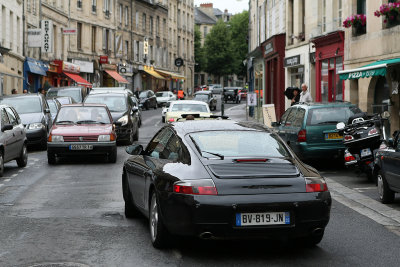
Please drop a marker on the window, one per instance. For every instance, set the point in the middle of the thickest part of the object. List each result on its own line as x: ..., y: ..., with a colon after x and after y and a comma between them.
x: 144, y: 23
x: 79, y: 36
x: 340, y: 13
x: 94, y: 6
x: 4, y: 118
x: 361, y: 7
x: 120, y: 13
x: 137, y: 19
x: 299, y: 118
x: 179, y: 18
x: 126, y: 49
x: 107, y: 7
x: 158, y: 26
x: 205, y: 31
x: 291, y: 118
x: 151, y: 25
x: 126, y: 16
x: 137, y: 50
x: 285, y: 115
x: 165, y: 146
x: 93, y: 38
x: 28, y: 6
x: 323, y: 15
x: 79, y: 4
x: 11, y: 116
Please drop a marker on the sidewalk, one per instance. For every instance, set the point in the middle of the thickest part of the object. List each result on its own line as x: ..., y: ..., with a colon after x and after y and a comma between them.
x: 239, y: 113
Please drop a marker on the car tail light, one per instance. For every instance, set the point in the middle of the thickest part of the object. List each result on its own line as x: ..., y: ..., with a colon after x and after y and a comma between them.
x: 49, y: 139
x: 348, y: 137
x: 348, y: 157
x: 373, y: 131
x: 112, y: 137
x: 196, y: 187
x: 171, y: 120
x: 301, y: 137
x: 316, y: 185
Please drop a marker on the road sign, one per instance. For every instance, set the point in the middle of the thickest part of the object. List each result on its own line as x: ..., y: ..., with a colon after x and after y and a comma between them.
x: 252, y: 99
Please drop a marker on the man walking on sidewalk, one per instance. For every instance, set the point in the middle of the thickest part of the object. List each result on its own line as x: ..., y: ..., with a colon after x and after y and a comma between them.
x: 305, y: 95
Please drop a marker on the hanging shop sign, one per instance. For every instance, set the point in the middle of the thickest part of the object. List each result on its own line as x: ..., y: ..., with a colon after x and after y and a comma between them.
x: 268, y: 48
x: 291, y: 61
x: 103, y: 59
x: 70, y: 67
x: 47, y: 36
x: 34, y: 37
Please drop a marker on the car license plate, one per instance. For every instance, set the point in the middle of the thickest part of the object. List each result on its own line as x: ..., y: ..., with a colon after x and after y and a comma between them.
x: 365, y: 152
x: 80, y: 147
x: 263, y: 218
x: 333, y: 136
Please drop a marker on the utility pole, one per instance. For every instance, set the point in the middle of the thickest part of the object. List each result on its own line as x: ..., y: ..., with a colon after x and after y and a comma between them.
x: 40, y: 26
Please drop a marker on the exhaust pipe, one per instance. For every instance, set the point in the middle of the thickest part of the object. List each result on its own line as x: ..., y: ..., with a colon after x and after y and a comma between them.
x: 317, y: 231
x: 206, y: 235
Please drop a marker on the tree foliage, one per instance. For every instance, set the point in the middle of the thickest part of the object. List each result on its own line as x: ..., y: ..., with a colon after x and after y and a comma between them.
x: 239, y: 32
x: 199, y: 57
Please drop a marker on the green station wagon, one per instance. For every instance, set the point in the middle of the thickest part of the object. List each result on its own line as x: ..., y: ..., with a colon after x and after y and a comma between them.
x: 310, y: 129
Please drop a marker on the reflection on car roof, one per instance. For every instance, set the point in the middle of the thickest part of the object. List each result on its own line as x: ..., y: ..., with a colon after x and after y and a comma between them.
x: 192, y: 126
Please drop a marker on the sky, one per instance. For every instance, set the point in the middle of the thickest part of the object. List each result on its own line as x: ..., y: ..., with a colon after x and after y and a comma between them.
x: 233, y: 6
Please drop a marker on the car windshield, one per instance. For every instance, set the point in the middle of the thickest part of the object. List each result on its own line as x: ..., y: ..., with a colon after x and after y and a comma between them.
x: 239, y: 144
x: 114, y: 103
x: 143, y: 95
x: 200, y: 97
x: 330, y: 115
x: 74, y: 93
x: 64, y: 100
x: 52, y: 106
x: 83, y: 115
x: 189, y: 107
x: 24, y: 105
x: 162, y: 94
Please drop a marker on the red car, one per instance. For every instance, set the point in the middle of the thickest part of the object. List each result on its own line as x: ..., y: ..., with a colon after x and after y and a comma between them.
x: 82, y: 129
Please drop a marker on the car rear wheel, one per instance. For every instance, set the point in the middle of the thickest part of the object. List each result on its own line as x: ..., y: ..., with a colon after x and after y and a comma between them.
x: 158, y: 232
x: 1, y: 164
x: 23, y: 158
x: 385, y: 194
x: 51, y: 158
x: 130, y: 209
x: 312, y: 239
x: 112, y: 157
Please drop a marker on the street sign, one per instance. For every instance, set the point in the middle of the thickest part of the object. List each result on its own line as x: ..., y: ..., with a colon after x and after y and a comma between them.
x: 47, y: 36
x: 179, y: 62
x: 252, y: 99
x: 145, y: 47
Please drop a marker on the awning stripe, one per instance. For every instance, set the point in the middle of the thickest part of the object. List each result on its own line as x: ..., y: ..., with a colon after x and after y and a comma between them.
x: 154, y: 74
x: 172, y: 74
x: 78, y: 79
x: 116, y: 76
x: 377, y: 68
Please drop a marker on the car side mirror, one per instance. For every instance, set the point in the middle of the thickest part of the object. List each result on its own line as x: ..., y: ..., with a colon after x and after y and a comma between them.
x: 275, y: 124
x: 135, y: 149
x: 340, y: 126
x: 7, y: 127
x: 117, y: 123
x: 47, y: 110
x: 134, y: 110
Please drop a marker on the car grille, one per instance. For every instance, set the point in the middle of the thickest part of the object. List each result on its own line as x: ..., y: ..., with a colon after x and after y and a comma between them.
x: 90, y: 138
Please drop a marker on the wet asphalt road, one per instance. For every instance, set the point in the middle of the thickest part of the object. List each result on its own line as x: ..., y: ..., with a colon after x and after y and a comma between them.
x: 71, y: 214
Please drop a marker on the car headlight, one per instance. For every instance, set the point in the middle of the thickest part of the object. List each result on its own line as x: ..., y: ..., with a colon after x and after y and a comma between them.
x: 56, y: 138
x: 34, y: 126
x: 104, y: 138
x: 123, y: 120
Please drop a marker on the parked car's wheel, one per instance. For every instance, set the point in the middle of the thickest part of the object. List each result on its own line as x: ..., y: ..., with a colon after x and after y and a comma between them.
x: 112, y: 157
x: 146, y: 106
x: 385, y: 194
x: 43, y: 144
x: 23, y: 157
x: 158, y: 232
x: 1, y: 164
x: 51, y: 158
x: 130, y: 209
x: 163, y: 119
x: 312, y: 240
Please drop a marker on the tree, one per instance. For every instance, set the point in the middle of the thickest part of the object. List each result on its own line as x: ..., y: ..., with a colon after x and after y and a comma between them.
x: 218, y: 50
x: 199, y: 58
x: 239, y: 32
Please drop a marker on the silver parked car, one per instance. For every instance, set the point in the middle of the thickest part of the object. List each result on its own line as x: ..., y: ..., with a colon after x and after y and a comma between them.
x: 13, y: 142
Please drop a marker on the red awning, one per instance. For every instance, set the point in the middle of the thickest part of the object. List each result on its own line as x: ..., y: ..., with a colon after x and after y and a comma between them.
x: 116, y: 76
x: 78, y: 79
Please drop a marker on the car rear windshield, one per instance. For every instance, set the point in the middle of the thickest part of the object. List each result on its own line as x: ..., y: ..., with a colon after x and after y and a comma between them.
x: 162, y: 94
x: 114, y: 103
x: 330, y: 115
x: 74, y: 93
x: 143, y: 94
x: 52, y: 106
x: 189, y: 107
x: 200, y: 97
x: 24, y: 105
x: 239, y: 144
x: 83, y: 115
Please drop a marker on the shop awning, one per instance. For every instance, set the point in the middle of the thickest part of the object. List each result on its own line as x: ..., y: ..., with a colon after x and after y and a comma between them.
x: 153, y: 73
x: 173, y: 75
x: 78, y: 79
x: 377, y: 68
x: 7, y: 71
x: 116, y: 76
x: 35, y: 68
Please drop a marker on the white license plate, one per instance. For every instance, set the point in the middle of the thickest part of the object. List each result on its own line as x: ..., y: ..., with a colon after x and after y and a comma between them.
x: 80, y: 147
x: 262, y: 218
x: 365, y: 152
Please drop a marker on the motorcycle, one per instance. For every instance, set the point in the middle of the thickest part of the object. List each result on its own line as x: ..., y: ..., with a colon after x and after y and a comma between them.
x: 362, y: 137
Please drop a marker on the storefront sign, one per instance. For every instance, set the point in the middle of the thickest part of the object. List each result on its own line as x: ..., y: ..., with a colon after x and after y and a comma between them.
x: 47, y: 36
x: 69, y: 31
x: 268, y: 48
x: 34, y: 37
x: 85, y: 66
x: 292, y: 61
x: 103, y: 59
x: 70, y: 67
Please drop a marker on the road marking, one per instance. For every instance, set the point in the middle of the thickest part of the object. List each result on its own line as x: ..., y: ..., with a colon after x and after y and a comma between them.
x: 363, y: 189
x: 364, y: 205
x: 21, y: 171
x: 14, y: 175
x: 7, y: 180
x: 1, y: 185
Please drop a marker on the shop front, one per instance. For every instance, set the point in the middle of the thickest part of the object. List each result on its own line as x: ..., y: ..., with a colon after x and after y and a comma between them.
x: 86, y: 69
x: 61, y: 73
x: 111, y: 78
x: 127, y: 71
x: 151, y: 80
x: 274, y: 52
x: 34, y: 71
x: 172, y: 80
x: 329, y: 53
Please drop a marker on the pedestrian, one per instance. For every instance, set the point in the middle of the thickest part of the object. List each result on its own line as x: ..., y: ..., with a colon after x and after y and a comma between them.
x: 25, y: 91
x: 305, y: 96
x: 181, y: 94
x: 137, y: 92
x: 14, y: 91
x: 296, y: 96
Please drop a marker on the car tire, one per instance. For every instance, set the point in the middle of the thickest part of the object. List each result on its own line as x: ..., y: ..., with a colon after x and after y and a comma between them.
x: 140, y: 122
x: 312, y: 240
x: 163, y: 119
x: 51, y: 158
x: 130, y: 210
x: 22, y: 160
x: 386, y: 195
x: 1, y: 164
x: 158, y: 231
x: 43, y: 144
x: 146, y: 106
x: 112, y: 157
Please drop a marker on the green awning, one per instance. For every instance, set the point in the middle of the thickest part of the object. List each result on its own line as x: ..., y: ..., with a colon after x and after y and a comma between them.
x: 377, y: 68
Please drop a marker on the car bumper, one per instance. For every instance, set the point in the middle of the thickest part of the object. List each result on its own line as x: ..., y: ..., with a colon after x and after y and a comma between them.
x: 124, y: 132
x: 192, y: 215
x: 99, y: 148
x: 36, y: 136
x: 307, y: 152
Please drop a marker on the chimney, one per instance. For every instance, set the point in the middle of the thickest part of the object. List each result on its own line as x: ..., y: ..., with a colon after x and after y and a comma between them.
x: 207, y: 5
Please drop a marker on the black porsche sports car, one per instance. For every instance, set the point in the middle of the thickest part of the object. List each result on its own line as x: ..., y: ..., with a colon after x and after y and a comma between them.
x: 224, y: 179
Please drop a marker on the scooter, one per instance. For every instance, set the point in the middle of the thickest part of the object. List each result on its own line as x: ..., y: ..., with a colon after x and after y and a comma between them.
x: 362, y: 137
